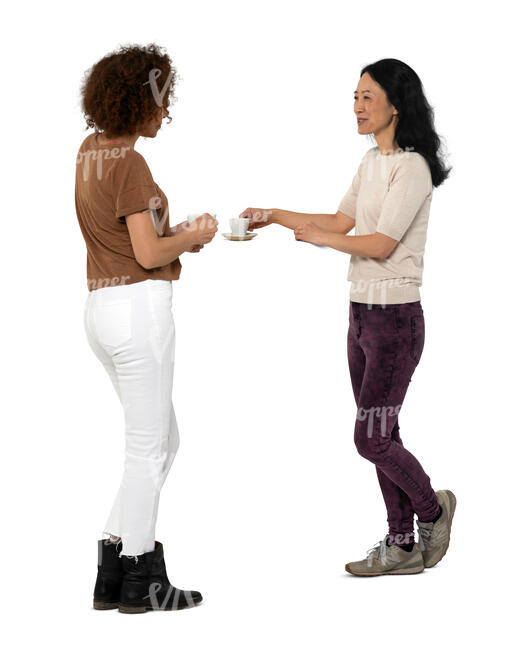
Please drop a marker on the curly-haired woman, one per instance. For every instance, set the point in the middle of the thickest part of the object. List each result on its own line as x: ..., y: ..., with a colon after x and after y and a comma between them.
x: 388, y: 204
x: 132, y: 259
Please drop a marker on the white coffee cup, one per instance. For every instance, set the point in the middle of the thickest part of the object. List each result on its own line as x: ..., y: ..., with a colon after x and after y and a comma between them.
x: 239, y: 226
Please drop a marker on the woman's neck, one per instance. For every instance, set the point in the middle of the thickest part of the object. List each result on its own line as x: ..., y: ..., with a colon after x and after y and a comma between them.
x: 128, y: 140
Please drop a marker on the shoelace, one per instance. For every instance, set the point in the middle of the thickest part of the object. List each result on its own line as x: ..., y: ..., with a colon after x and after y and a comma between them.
x: 434, y: 535
x: 378, y: 550
x: 111, y: 541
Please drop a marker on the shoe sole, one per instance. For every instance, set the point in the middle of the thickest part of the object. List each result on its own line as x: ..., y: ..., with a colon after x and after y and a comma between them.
x: 130, y: 609
x: 453, y: 500
x: 98, y: 604
x: 394, y: 572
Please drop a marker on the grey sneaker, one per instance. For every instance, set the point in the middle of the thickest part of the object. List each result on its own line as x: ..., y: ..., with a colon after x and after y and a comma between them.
x: 384, y: 560
x: 434, y: 539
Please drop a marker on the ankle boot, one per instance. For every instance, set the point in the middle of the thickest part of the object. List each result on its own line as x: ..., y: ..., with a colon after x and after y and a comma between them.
x: 145, y: 585
x: 109, y: 575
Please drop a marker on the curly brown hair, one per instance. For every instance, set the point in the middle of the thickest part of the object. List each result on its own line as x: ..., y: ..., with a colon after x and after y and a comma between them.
x: 119, y: 91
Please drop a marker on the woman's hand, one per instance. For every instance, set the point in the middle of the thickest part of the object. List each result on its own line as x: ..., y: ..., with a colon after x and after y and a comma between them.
x: 311, y: 233
x: 202, y: 229
x: 181, y: 227
x: 258, y: 217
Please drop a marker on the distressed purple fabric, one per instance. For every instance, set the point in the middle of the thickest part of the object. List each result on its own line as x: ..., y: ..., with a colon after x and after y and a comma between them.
x: 385, y: 343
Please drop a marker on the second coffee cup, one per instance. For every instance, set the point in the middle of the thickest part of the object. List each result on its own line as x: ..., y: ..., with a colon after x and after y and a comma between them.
x: 239, y: 226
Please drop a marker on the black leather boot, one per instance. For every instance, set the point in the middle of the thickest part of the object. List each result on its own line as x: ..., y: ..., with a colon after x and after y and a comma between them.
x: 146, y: 585
x: 109, y: 575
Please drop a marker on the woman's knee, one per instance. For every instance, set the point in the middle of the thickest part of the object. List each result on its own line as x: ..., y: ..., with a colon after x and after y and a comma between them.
x: 174, y: 442
x: 363, y: 443
x: 368, y: 444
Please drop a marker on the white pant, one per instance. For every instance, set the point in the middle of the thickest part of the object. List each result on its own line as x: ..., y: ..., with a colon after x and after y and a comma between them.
x: 131, y: 330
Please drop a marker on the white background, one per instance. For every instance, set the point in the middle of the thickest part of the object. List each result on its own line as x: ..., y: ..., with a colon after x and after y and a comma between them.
x: 268, y: 498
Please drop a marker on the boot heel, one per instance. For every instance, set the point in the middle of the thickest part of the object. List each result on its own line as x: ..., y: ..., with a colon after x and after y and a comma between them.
x: 131, y: 609
x: 99, y: 604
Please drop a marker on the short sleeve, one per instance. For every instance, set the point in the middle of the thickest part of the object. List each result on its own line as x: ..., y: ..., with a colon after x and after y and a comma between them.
x: 410, y: 186
x: 348, y: 204
x: 135, y: 190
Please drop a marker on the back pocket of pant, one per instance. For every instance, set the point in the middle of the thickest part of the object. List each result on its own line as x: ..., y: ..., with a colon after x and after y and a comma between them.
x: 113, y: 322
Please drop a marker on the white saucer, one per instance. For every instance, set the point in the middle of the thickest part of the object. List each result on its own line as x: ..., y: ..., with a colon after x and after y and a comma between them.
x: 246, y: 237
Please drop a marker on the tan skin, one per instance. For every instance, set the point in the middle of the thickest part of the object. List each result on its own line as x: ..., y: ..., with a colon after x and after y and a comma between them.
x: 150, y: 250
x: 331, y: 229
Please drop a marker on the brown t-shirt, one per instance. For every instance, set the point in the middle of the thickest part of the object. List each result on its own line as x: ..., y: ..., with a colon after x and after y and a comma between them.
x: 112, y: 181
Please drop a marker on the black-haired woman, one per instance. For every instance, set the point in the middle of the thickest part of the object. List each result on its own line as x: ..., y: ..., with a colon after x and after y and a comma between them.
x: 388, y: 204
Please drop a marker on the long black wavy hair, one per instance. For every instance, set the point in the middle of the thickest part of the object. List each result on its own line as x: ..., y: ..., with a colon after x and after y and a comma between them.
x: 415, y: 130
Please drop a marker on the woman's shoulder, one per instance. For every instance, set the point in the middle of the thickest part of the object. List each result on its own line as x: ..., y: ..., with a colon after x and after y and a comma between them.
x: 130, y: 158
x: 408, y: 157
x: 416, y: 162
x: 415, y: 165
x: 403, y: 160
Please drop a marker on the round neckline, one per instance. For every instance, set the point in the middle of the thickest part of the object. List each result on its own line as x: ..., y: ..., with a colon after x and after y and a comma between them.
x: 387, y: 155
x: 110, y: 142
x: 391, y: 155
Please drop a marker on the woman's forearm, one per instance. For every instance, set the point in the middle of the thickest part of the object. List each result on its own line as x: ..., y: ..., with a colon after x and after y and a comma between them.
x: 169, y: 248
x: 360, y: 245
x: 294, y: 219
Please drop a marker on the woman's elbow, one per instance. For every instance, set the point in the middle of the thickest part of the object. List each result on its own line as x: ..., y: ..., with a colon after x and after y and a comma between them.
x: 146, y: 260
x: 383, y: 246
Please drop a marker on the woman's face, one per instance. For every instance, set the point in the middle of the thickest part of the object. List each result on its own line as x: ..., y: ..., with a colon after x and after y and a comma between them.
x: 372, y: 106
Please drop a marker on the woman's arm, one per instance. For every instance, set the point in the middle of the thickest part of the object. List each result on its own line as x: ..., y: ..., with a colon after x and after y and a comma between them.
x: 376, y: 245
x: 258, y: 217
x: 180, y: 227
x: 338, y: 222
x: 152, y: 251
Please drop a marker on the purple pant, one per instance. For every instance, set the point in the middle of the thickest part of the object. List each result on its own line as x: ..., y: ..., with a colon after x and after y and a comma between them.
x: 385, y: 343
